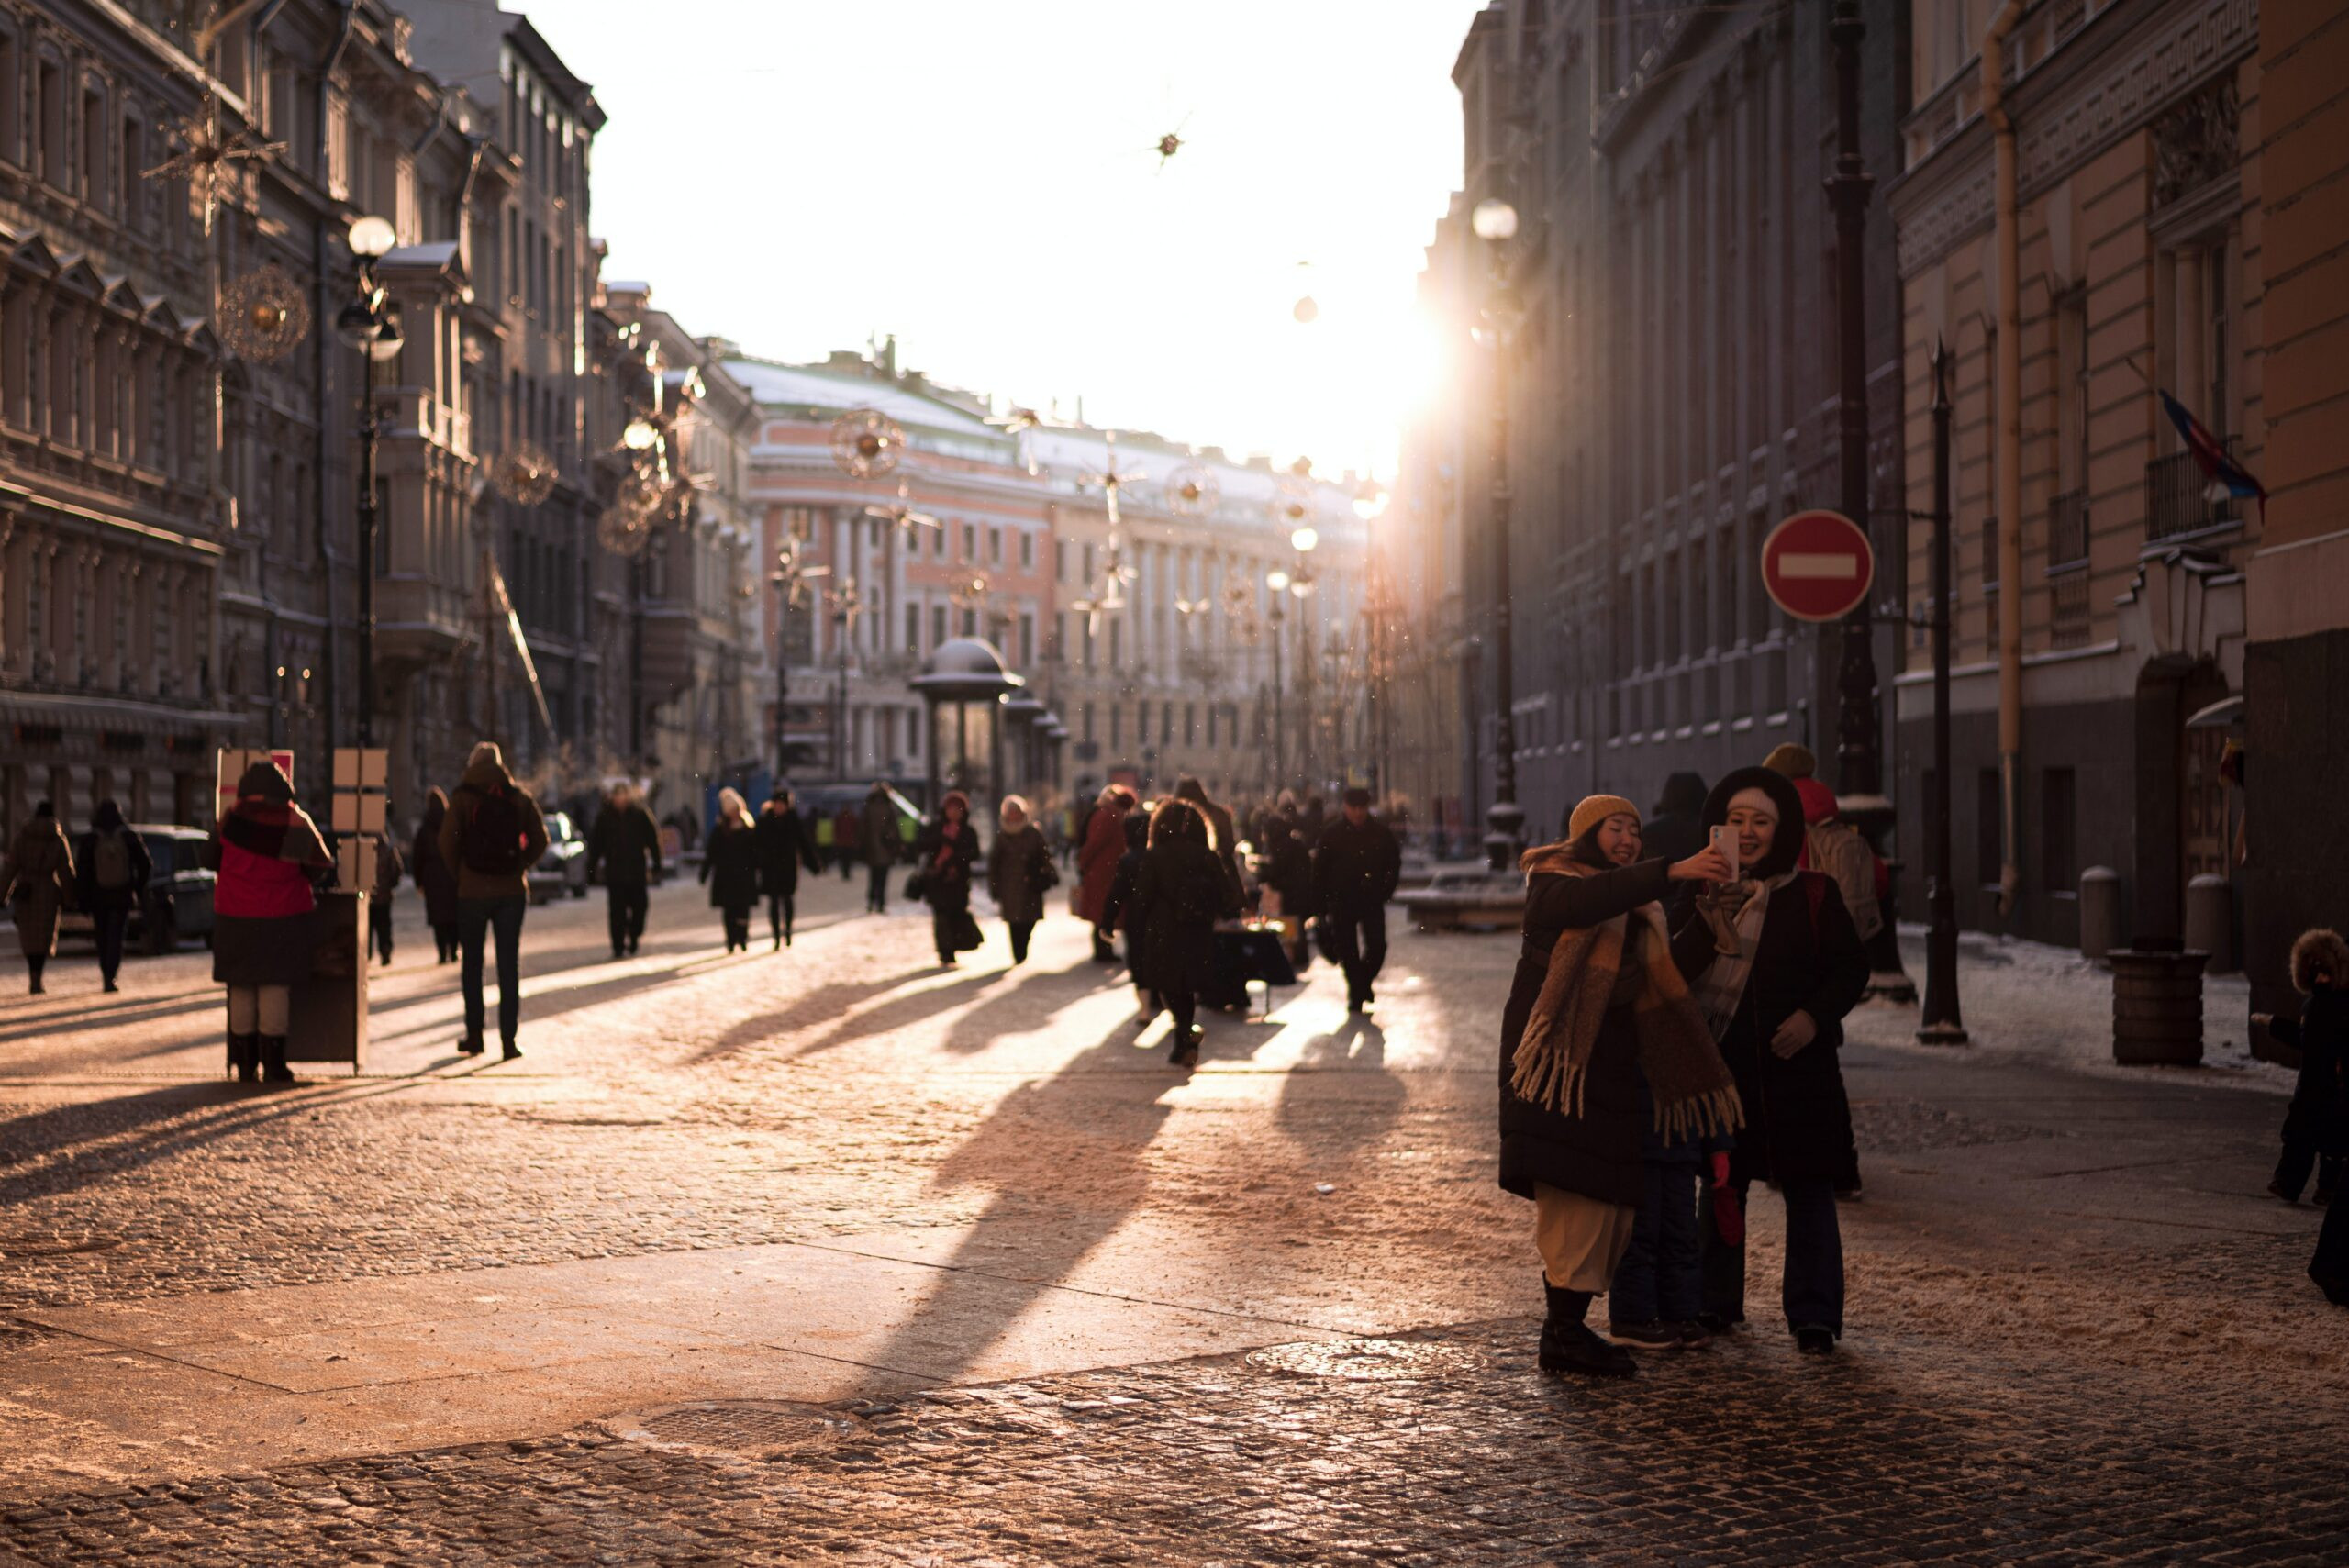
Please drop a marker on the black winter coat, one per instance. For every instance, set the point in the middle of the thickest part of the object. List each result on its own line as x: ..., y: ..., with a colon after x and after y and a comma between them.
x: 1598, y: 1153
x: 624, y: 845
x: 2319, y: 1115
x: 729, y: 865
x: 140, y: 869
x: 784, y: 843
x: 946, y: 867
x: 1797, y: 1120
x: 1181, y: 889
x: 1355, y: 867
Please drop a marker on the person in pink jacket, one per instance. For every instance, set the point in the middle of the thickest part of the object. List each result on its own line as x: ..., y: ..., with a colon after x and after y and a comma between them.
x: 264, y: 917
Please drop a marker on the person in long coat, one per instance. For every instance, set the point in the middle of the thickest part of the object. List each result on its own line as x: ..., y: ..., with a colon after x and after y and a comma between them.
x: 40, y: 879
x: 945, y: 852
x: 110, y: 840
x: 266, y: 928
x: 1775, y: 963
x: 435, y: 878
x: 2316, y: 1123
x: 624, y: 854
x: 784, y: 844
x: 730, y: 865
x: 1019, y: 872
x: 1096, y: 865
x: 877, y: 842
x: 1181, y: 889
x: 1600, y: 1041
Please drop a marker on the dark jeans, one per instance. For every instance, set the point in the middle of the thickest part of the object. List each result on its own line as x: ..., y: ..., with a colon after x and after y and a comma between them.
x: 1357, y: 937
x: 444, y: 939
x: 1020, y: 931
x: 476, y: 918
x: 108, y: 927
x: 624, y: 913
x: 848, y: 862
x: 1812, y: 1291
x: 780, y: 914
x: 1661, y: 1278
x: 379, y: 927
x: 2300, y: 1159
x: 738, y: 926
x: 1184, y: 1006
x: 946, y: 928
x: 876, y: 889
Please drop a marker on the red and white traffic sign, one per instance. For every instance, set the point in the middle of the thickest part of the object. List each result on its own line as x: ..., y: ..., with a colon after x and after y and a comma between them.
x: 1817, y: 565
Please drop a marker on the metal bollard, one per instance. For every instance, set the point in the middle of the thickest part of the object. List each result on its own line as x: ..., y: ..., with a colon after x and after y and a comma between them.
x: 2210, y: 919
x: 2099, y: 911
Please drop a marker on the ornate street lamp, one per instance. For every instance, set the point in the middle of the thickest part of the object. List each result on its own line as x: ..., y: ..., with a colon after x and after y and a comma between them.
x: 1495, y: 222
x: 368, y: 324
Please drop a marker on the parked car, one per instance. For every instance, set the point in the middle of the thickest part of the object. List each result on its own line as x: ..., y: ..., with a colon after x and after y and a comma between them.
x: 563, y: 868
x: 178, y: 904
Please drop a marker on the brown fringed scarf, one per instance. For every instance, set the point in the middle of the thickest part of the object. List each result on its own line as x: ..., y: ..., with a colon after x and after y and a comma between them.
x: 1692, y: 1088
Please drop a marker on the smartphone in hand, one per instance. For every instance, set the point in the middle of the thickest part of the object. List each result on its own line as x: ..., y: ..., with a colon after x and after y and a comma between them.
x: 1725, y: 841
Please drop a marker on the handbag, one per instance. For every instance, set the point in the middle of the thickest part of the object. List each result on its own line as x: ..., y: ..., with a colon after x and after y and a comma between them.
x: 967, y: 935
x: 918, y: 886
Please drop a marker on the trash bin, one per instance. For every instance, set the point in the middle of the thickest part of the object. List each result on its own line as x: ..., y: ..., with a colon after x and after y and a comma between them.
x: 2209, y: 922
x: 2157, y: 1003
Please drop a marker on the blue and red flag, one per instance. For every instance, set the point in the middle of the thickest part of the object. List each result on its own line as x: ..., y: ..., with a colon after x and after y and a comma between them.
x: 2211, y: 454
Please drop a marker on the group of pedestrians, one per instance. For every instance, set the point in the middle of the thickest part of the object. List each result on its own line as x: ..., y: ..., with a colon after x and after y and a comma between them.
x: 103, y: 875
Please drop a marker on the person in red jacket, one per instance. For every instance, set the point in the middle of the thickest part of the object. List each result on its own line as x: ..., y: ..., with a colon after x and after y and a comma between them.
x: 1096, y: 865
x: 264, y: 917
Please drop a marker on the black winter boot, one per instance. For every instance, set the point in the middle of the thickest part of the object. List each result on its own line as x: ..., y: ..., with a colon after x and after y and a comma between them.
x: 1568, y: 1345
x: 244, y: 1055
x: 273, y: 1060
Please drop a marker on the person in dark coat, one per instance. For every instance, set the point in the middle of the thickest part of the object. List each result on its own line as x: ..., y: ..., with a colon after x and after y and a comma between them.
x: 877, y: 842
x: 1218, y: 818
x: 1019, y: 872
x: 1181, y: 888
x: 945, y: 852
x: 1775, y: 963
x: 492, y: 835
x: 2316, y: 1125
x: 40, y: 878
x: 1117, y: 907
x: 784, y: 844
x: 111, y: 870
x: 729, y: 865
x: 434, y: 881
x: 1355, y: 867
x: 379, y: 898
x: 848, y: 834
x: 1598, y: 1037
x: 266, y: 928
x: 624, y: 848
x: 1097, y: 865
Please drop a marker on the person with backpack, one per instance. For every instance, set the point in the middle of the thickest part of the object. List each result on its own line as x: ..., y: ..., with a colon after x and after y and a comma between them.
x: 784, y: 845
x: 41, y: 876
x: 1181, y: 889
x: 111, y: 870
x: 379, y: 902
x: 1775, y: 965
x: 623, y: 848
x: 493, y: 834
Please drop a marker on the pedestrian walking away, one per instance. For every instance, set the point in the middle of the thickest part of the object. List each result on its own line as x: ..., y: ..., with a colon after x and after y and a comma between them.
x: 38, y: 882
x: 2316, y: 1125
x: 1019, y: 872
x: 1181, y: 888
x: 379, y: 902
x: 1117, y: 910
x: 1355, y: 867
x: 624, y: 850
x: 1776, y: 966
x: 729, y: 865
x: 1097, y: 865
x: 265, y: 926
x: 492, y: 835
x: 1221, y: 826
x: 848, y: 835
x: 877, y: 841
x: 111, y: 870
x: 1601, y: 1042
x: 436, y: 879
x: 946, y: 851
x: 784, y: 844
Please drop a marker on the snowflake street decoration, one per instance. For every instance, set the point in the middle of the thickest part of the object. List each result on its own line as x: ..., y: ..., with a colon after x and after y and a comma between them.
x: 1192, y: 490
x: 903, y: 515
x: 526, y: 475
x: 208, y: 154
x: 1112, y: 481
x: 1292, y: 505
x: 792, y: 578
x: 867, y: 443
x: 264, y: 316
x: 620, y: 534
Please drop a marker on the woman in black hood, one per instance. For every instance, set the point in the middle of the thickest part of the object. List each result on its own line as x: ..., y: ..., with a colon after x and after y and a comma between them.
x: 1774, y: 964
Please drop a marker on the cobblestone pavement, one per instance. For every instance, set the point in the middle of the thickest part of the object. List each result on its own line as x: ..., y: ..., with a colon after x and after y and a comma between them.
x: 2078, y: 1331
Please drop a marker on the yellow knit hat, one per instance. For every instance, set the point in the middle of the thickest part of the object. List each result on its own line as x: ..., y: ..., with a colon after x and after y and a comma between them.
x: 1791, y: 759
x: 1597, y: 808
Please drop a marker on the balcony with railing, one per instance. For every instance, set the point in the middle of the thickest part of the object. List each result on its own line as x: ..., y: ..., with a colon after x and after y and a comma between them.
x: 2068, y: 568
x: 2180, y: 499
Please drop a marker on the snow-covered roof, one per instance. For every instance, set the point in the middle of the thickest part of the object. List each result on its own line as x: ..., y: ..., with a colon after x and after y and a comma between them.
x: 813, y: 387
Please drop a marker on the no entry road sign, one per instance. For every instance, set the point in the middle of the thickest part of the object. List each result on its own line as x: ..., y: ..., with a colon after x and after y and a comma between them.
x: 1817, y: 565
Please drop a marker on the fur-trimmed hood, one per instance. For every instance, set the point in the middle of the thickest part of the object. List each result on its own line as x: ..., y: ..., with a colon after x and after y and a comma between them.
x: 2318, y: 951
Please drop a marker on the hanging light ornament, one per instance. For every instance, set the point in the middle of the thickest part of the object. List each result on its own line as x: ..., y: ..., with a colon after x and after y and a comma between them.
x: 264, y: 316
x: 525, y: 475
x: 1192, y: 490
x: 1292, y: 504
x: 867, y: 443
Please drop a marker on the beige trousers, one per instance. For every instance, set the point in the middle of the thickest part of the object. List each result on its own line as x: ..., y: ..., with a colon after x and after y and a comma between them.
x: 1581, y: 1238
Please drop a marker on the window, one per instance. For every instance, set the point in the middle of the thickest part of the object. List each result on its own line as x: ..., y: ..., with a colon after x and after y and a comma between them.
x: 1116, y: 726
x: 1088, y: 565
x: 912, y: 628
x: 1986, y: 832
x: 994, y: 546
x: 971, y: 543
x: 1060, y: 561
x: 131, y: 158
x: 2058, y: 856
x: 11, y: 74
x: 1186, y: 725
x: 1117, y: 626
x: 1086, y: 717
x: 93, y: 145
x: 937, y: 626
x: 1027, y: 637
x: 49, y: 123
x: 1026, y: 550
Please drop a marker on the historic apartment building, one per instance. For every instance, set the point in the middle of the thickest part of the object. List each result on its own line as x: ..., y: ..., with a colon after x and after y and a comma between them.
x: 1672, y: 378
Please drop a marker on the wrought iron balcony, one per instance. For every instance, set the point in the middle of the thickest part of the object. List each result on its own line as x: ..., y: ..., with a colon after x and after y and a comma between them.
x: 2180, y: 499
x: 2067, y: 530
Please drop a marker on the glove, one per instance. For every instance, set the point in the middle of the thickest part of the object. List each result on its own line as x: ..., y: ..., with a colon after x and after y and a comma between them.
x: 1729, y: 1219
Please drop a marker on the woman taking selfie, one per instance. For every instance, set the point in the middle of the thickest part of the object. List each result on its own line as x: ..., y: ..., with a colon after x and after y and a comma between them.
x: 1596, y: 1013
x: 1775, y: 963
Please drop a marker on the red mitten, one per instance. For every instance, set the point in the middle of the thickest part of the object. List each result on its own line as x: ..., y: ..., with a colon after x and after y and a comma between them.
x: 1729, y: 1219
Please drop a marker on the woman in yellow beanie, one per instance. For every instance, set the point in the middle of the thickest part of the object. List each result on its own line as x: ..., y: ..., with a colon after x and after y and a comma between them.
x: 1598, y: 1020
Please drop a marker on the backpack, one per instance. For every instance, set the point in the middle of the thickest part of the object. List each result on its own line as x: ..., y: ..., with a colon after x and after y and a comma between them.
x: 492, y: 845
x: 110, y: 862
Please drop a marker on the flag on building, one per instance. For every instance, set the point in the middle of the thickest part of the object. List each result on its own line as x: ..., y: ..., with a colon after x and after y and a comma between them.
x: 2209, y: 451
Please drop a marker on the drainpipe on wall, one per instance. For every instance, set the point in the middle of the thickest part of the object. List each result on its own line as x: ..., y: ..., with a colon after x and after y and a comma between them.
x: 2009, y: 435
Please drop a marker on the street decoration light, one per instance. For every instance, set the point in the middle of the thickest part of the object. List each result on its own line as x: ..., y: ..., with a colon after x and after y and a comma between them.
x: 902, y: 516
x: 525, y: 475
x: 791, y: 579
x: 369, y: 325
x: 264, y: 316
x: 1193, y: 490
x: 867, y: 443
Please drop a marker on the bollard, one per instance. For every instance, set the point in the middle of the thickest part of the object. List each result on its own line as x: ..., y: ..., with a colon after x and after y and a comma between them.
x: 2156, y: 1005
x: 2209, y: 922
x: 2099, y: 911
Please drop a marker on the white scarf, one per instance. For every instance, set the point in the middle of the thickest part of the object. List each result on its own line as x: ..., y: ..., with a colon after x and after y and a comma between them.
x: 1735, y: 937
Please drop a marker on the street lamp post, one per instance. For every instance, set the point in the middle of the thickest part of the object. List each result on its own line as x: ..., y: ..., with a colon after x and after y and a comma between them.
x: 1495, y: 222
x: 1300, y: 583
x: 1942, y: 1022
x: 369, y: 324
x: 1859, y: 727
x: 1278, y: 580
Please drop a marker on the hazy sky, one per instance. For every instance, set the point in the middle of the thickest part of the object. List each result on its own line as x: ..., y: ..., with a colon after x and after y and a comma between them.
x: 978, y: 179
